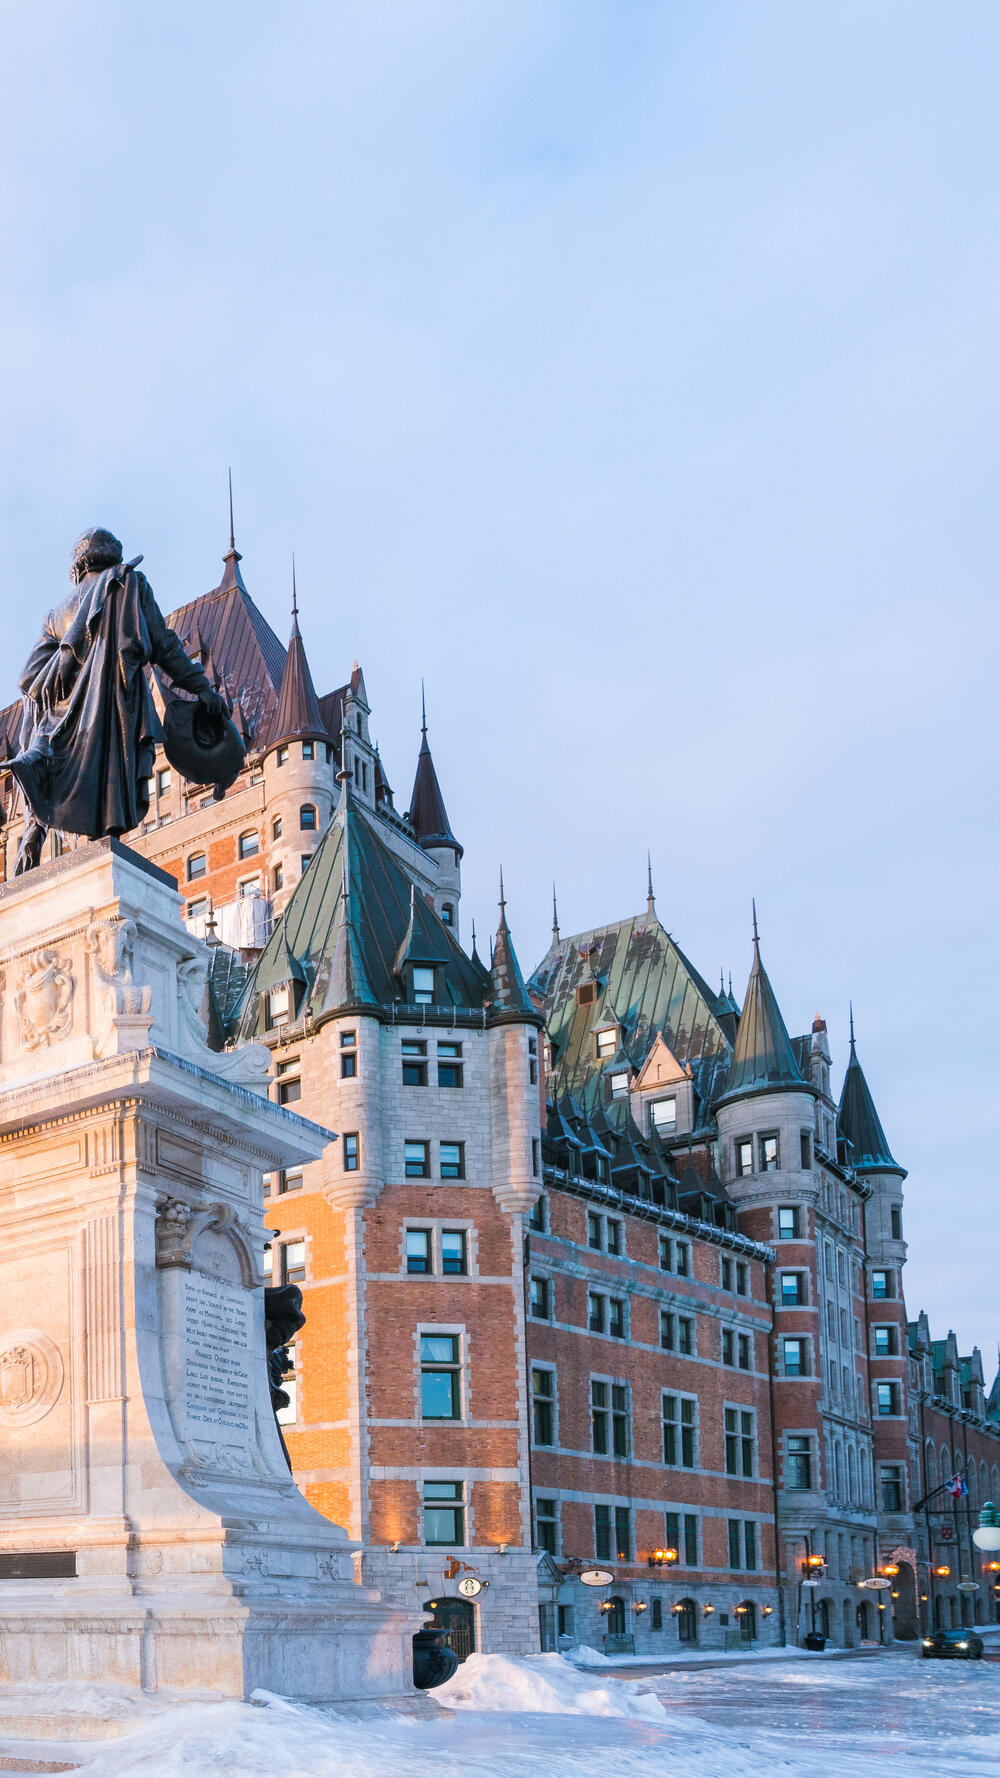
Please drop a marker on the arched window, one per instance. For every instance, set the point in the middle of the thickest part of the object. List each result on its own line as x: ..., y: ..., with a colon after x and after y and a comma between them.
x: 686, y: 1613
x: 249, y: 843
x: 276, y: 828
x: 984, y: 1483
x: 307, y: 816
x: 277, y: 877
x: 973, y: 1484
x: 852, y: 1475
x: 838, y: 1470
x: 995, y: 1484
x: 930, y: 1464
x: 197, y: 865
x: 946, y: 1470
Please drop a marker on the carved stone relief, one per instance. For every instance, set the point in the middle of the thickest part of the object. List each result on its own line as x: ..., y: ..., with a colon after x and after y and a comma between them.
x: 31, y: 1378
x: 44, y: 1000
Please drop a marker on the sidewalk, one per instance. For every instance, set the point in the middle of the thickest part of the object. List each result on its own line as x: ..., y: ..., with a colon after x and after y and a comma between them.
x: 639, y: 1667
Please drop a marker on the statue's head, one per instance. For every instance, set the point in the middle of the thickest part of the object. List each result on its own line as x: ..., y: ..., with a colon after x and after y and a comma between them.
x: 93, y: 551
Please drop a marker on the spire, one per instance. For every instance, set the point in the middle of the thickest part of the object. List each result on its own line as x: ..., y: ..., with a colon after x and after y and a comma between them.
x: 232, y: 558
x: 509, y: 996
x: 850, y: 1005
x: 298, y: 714
x: 555, y: 917
x: 650, y: 898
x: 428, y: 815
x: 763, y: 1059
x: 859, y: 1124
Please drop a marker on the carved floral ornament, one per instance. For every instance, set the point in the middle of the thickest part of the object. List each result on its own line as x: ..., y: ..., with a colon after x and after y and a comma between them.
x: 179, y: 1225
x: 44, y: 1000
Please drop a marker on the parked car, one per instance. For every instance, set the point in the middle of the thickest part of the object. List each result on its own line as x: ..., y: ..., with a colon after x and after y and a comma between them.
x: 953, y: 1645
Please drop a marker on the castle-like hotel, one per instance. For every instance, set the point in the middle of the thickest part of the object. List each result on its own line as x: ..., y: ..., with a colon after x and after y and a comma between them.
x: 603, y: 1276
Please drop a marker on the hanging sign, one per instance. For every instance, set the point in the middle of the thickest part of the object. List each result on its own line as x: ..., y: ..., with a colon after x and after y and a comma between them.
x: 597, y: 1577
x: 811, y: 1583
x: 876, y: 1583
x: 470, y: 1587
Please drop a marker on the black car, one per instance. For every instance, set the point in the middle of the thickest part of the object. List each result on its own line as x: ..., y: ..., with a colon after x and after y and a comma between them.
x: 953, y: 1645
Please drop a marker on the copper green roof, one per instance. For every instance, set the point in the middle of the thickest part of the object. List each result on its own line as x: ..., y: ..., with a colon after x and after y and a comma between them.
x: 763, y: 1059
x: 858, y: 1122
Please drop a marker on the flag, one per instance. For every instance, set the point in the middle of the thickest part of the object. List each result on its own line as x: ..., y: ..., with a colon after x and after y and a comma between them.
x: 957, y: 1487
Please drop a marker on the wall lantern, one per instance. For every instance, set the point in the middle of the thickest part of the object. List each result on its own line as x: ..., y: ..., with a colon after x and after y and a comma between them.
x: 676, y: 1609
x: 766, y: 1610
x: 708, y: 1610
x: 662, y: 1558
x: 943, y: 1571
x: 890, y: 1568
x: 640, y: 1605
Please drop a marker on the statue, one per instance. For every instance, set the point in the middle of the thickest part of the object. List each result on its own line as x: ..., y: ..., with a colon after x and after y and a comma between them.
x: 283, y: 1319
x: 89, y: 732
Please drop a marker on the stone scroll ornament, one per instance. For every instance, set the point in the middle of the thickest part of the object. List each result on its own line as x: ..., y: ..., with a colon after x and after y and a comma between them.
x: 89, y: 729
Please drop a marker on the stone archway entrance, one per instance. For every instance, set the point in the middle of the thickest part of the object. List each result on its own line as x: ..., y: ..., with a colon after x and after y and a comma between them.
x: 905, y: 1610
x: 457, y: 1620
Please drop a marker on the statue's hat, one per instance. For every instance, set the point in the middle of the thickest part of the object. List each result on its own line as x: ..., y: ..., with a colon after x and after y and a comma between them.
x: 203, y: 747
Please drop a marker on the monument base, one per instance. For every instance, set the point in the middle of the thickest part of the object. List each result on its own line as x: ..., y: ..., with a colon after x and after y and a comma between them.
x: 150, y: 1533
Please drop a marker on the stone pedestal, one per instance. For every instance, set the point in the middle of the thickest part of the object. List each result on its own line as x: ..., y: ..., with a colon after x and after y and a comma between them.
x: 150, y: 1534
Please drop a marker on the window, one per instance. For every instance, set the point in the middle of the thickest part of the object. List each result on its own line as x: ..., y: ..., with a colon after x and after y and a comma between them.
x: 728, y: 1346
x: 891, y: 1485
x: 735, y: 1540
x: 309, y: 750
x: 663, y: 1116
x: 656, y: 1614
x: 448, y: 919
x: 440, y: 1391
x: 533, y: 1061
x: 685, y: 1335
x: 606, y: 1043
x: 682, y: 1259
x: 668, y: 1332
x: 602, y: 1533
x: 348, y: 1055
x: 418, y: 1250
x: 277, y: 877
x: 281, y: 756
x: 666, y: 1254
x: 623, y: 1534
x: 449, y: 1065
x: 291, y: 1182
x: 690, y: 1540
x: 896, y: 1221
x: 886, y: 1344
x: 276, y: 1009
x: 249, y: 843
x: 543, y: 1406
x: 597, y: 1312
x: 739, y: 1428
x: 793, y: 1289
x: 599, y: 1417
x: 613, y: 1235
x: 196, y: 909
x: 745, y: 1352
x: 616, y: 1317
x: 749, y: 1540
x: 444, y: 1513
x: 452, y: 1160
x: 293, y: 1266
x: 594, y: 1236
x: 744, y: 1157
x: 540, y: 1299
x: 546, y: 1526
x: 794, y: 1356
x: 770, y: 1158
x: 678, y: 1431
x: 414, y: 1063
x: 727, y: 1274
x: 307, y: 818
x: 788, y: 1222
x: 454, y: 1253
x: 248, y: 886
x: 163, y: 781
x: 423, y: 987
x: 882, y: 1286
x: 351, y: 1152
x: 305, y: 860
x: 537, y: 1218
x: 289, y: 1082
x: 619, y: 1086
x: 417, y: 1160
x: 742, y: 1278
x: 197, y: 865
x: 535, y: 1156
x: 798, y: 1467
x: 805, y: 1150
x: 887, y: 1398
x: 276, y: 828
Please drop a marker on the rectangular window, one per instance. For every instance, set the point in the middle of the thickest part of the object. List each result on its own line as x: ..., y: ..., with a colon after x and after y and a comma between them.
x: 666, y: 1254
x: 788, y: 1222
x: 798, y: 1468
x: 597, y: 1312
x: 291, y: 1181
x: 440, y: 1377
x: 450, y: 1066
x: 728, y: 1346
x: 792, y: 1289
x: 606, y: 1043
x: 541, y: 1299
x: 745, y: 1352
x: 444, y: 1513
x: 616, y: 1317
x: 602, y: 1533
x: 593, y: 1231
x: 734, y: 1543
x: 423, y: 987
x: 613, y: 1235
x: 744, y: 1157
x: 619, y: 1420
x: 196, y: 909
x: 546, y: 1526
x: 682, y: 1259
x: 672, y: 1521
x: 794, y: 1358
x: 887, y: 1398
x: 667, y: 1330
x: 690, y: 1540
x: 414, y: 1063
x: 770, y: 1158
x: 293, y: 1268
x: 891, y: 1484
x: 599, y: 1417
x: 727, y: 1274
x: 896, y: 1222
x: 663, y: 1116
x: 885, y: 1342
x: 543, y: 1406
x: 537, y: 1220
x: 281, y: 755
x: 417, y: 1160
x: 163, y: 781
x: 454, y: 1253
x: 882, y: 1286
x: 749, y: 1544
x: 418, y: 1250
x: 623, y: 1534
x: 535, y: 1157
x: 309, y: 750
x: 453, y: 1160
x: 742, y: 1277
x: 351, y: 1152
x: 685, y: 1335
x: 532, y: 1061
x: 739, y: 1429
x: 276, y: 1008
x: 348, y: 1064
x: 289, y: 1089
x: 656, y: 1614
x: 678, y: 1432
x: 805, y: 1150
x: 619, y: 1086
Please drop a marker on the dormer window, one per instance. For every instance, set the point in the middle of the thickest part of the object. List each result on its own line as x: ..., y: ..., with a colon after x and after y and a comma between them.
x: 663, y: 1116
x: 586, y: 994
x: 606, y: 1043
x: 276, y: 1008
x: 619, y: 1086
x: 423, y: 987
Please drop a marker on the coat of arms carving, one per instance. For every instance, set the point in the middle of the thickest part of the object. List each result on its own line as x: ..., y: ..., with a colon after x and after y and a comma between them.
x: 31, y: 1378
x: 45, y: 1000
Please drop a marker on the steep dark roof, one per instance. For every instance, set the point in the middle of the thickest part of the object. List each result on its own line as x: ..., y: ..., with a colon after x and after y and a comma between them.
x: 763, y: 1058
x: 298, y: 716
x: 428, y: 815
x: 858, y: 1122
x: 508, y: 994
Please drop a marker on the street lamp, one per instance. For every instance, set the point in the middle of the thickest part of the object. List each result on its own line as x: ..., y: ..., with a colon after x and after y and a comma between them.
x: 986, y: 1537
x: 662, y: 1558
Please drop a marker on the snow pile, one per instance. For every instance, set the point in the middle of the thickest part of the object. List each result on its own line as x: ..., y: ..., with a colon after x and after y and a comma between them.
x: 543, y: 1684
x: 585, y: 1656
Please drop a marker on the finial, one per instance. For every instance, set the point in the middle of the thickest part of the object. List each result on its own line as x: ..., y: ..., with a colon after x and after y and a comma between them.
x: 851, y: 1007
x: 555, y: 917
x: 423, y: 710
x: 650, y: 902
x: 503, y: 904
x: 232, y: 533
x: 730, y: 983
x: 295, y: 596
x: 473, y: 934
x: 756, y: 934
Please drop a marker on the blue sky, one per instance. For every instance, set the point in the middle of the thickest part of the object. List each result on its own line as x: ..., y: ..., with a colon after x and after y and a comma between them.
x: 629, y: 371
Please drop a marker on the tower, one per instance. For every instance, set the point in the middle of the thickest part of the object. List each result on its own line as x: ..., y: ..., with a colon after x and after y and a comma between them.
x: 298, y: 771
x: 432, y: 829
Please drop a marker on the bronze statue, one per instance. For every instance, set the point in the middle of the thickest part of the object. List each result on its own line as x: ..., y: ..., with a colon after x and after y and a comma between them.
x: 90, y: 730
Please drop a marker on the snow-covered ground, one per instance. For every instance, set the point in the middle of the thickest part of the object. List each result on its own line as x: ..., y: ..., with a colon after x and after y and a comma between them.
x: 544, y: 1718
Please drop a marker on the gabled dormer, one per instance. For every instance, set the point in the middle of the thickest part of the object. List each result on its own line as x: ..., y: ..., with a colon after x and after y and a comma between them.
x: 665, y: 1089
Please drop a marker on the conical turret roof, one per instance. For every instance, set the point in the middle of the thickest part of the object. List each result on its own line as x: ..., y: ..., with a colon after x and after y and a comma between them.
x: 859, y: 1124
x: 509, y: 996
x: 428, y: 815
x: 298, y: 716
x: 763, y: 1058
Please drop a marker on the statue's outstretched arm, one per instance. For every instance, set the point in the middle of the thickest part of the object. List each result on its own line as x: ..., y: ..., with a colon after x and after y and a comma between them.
x: 168, y: 653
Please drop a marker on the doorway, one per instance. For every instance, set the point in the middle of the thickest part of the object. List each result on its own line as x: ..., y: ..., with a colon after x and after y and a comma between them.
x: 861, y: 1618
x: 456, y: 1620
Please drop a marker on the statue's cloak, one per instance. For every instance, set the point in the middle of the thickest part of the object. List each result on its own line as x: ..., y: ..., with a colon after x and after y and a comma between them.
x: 89, y: 733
